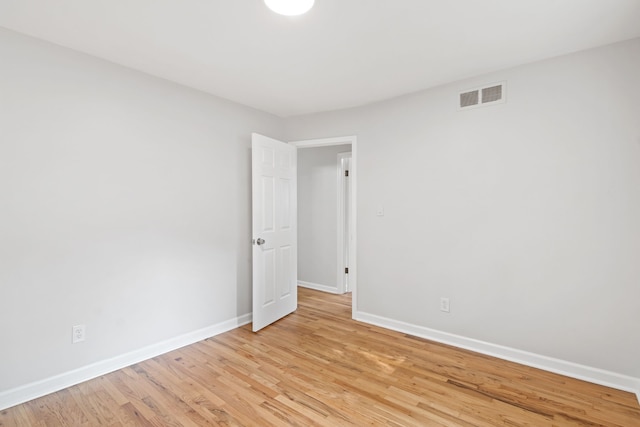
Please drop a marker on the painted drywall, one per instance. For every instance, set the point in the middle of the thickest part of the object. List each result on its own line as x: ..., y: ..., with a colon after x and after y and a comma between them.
x: 524, y: 214
x: 317, y: 215
x: 124, y: 206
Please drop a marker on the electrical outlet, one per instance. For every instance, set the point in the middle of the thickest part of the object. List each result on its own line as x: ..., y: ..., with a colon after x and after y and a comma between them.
x: 78, y: 333
x: 444, y: 304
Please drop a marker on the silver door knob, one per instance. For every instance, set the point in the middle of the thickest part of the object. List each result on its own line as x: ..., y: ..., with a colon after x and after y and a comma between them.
x: 260, y: 242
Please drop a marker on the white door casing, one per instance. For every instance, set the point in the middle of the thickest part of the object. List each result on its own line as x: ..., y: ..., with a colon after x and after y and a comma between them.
x: 343, y: 220
x: 275, y: 251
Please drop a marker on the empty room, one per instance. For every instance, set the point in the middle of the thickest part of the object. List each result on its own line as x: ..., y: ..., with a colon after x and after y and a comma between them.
x: 319, y: 213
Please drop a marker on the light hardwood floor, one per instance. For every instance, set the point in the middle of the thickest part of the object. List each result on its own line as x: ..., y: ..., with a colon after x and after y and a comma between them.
x: 317, y: 367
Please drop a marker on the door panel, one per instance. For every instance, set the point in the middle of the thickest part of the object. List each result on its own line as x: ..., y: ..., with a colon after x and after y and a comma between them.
x: 274, y: 195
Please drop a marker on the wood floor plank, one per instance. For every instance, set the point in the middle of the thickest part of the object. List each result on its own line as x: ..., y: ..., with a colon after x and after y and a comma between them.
x: 317, y: 367
x: 13, y: 417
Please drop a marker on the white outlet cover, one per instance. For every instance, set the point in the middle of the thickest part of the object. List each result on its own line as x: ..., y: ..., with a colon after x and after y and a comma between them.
x: 78, y: 333
x: 444, y: 305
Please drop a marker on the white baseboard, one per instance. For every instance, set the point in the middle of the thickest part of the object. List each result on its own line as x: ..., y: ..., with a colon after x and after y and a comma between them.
x: 562, y: 367
x: 41, y: 388
x: 318, y: 287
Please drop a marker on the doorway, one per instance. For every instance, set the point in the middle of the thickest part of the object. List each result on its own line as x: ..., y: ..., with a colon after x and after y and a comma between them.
x: 344, y: 217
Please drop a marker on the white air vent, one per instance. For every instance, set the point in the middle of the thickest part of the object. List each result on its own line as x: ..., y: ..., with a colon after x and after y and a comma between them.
x: 483, y: 96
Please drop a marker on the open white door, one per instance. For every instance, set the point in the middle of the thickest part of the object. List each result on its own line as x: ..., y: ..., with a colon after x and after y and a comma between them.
x: 275, y: 230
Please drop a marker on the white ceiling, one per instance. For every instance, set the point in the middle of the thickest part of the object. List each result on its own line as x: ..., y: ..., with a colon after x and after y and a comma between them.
x: 343, y: 53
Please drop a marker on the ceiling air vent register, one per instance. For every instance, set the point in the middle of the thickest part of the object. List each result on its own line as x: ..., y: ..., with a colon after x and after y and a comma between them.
x: 482, y: 96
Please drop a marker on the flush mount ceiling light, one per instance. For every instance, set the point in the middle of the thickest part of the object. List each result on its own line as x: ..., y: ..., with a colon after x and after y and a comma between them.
x: 289, y: 7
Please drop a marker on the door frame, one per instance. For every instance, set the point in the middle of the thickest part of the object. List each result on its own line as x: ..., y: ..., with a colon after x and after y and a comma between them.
x: 342, y: 180
x: 343, y: 140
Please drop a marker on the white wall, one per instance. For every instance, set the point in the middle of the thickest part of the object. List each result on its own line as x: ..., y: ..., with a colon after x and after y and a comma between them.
x: 525, y: 214
x: 317, y: 215
x: 124, y: 205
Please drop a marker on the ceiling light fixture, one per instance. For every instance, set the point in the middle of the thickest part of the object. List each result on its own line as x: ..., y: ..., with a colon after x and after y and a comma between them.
x: 289, y: 7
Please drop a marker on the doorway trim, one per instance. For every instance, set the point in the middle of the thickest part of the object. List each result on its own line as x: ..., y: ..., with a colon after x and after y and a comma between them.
x: 343, y: 140
x: 344, y: 222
